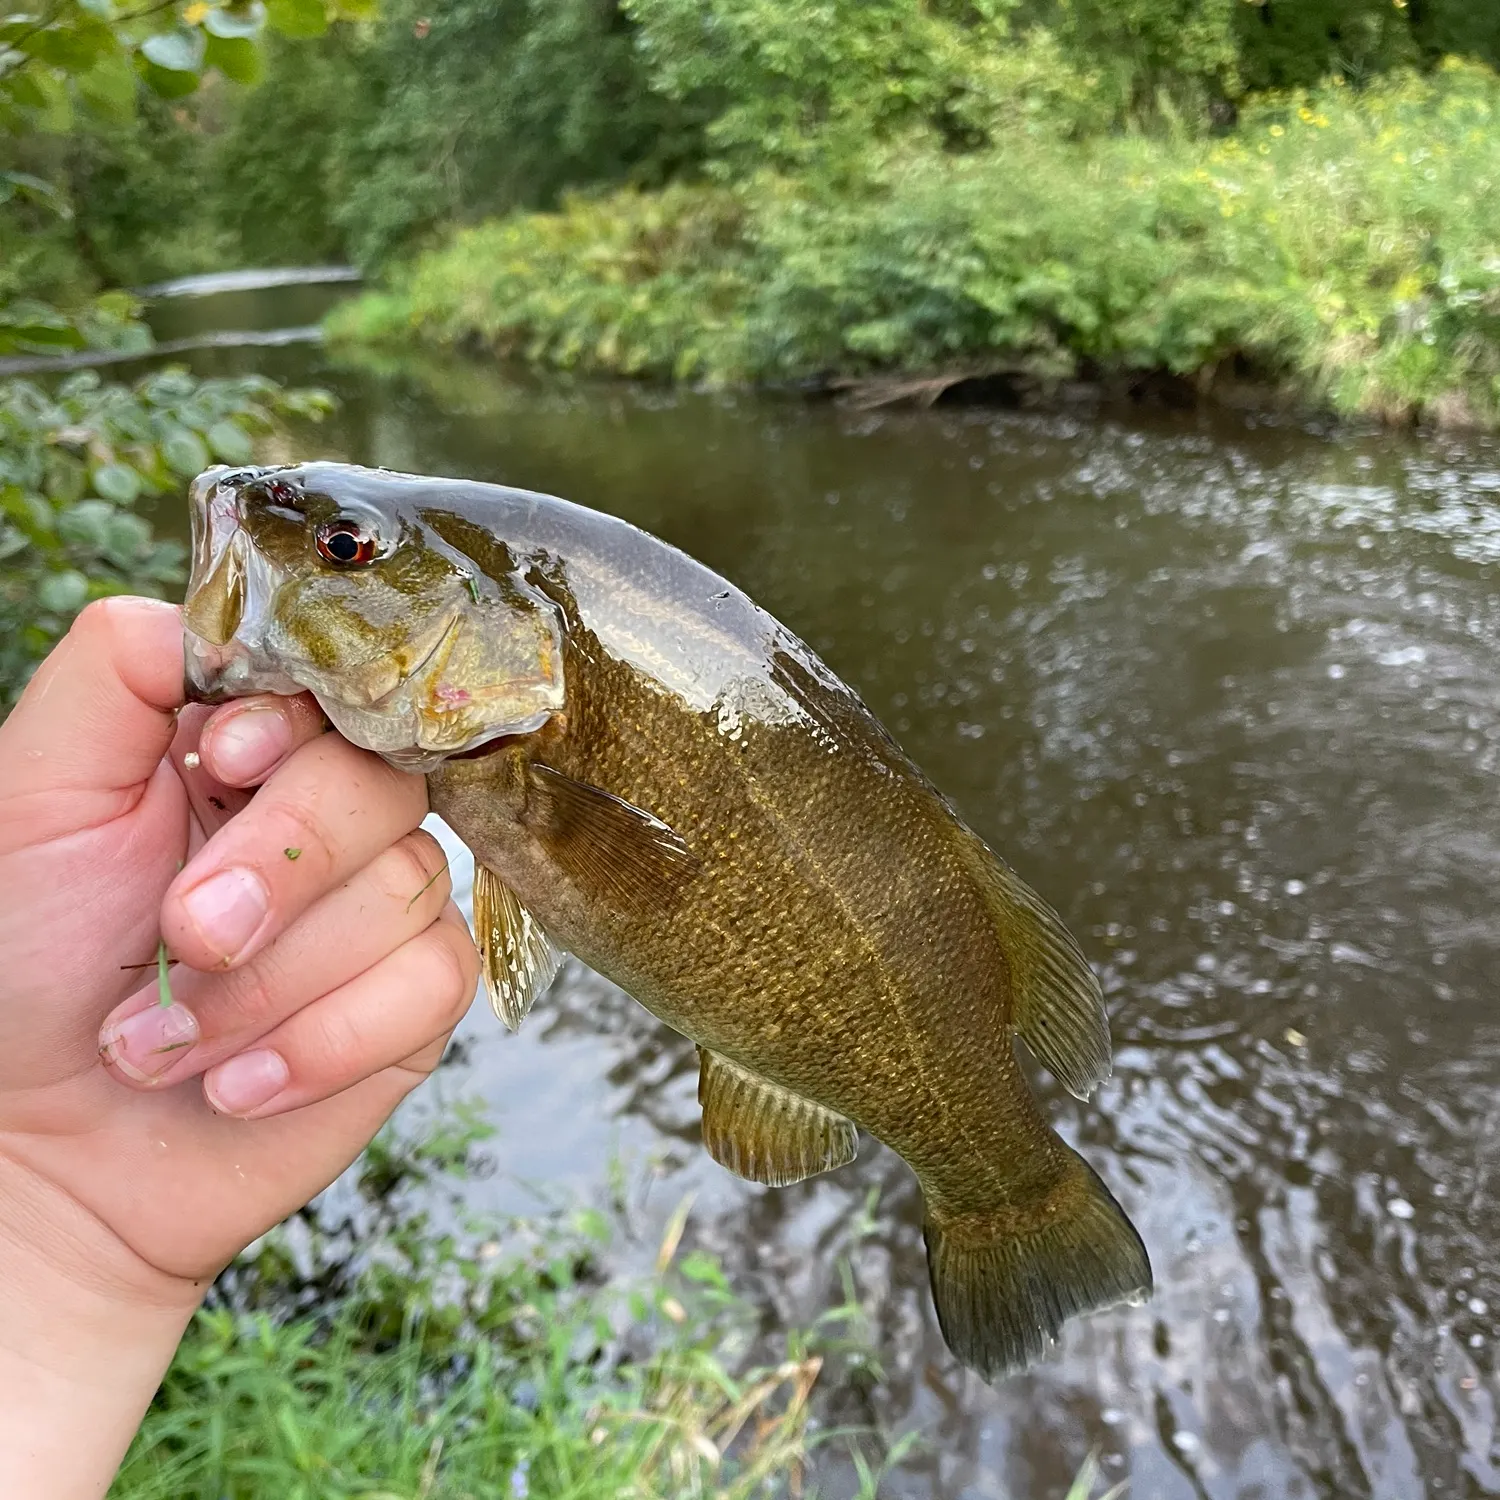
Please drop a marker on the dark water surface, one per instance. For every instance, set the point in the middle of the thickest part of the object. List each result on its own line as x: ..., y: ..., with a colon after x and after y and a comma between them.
x: 1228, y: 696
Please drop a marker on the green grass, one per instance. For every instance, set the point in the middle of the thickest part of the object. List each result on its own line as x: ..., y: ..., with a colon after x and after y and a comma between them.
x: 1343, y: 244
x: 460, y: 1366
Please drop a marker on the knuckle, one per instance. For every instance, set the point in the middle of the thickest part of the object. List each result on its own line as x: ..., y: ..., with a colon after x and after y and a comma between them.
x: 451, y: 967
x: 330, y: 1043
x: 413, y: 866
x: 252, y: 998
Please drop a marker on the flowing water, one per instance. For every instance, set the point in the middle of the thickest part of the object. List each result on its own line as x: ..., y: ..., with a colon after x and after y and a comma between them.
x: 1228, y: 695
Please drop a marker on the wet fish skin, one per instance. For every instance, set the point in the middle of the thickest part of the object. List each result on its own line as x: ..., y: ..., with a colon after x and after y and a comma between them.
x: 688, y: 800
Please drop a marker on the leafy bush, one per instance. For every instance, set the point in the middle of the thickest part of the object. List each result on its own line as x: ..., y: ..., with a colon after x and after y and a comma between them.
x: 74, y: 466
x: 1344, y: 241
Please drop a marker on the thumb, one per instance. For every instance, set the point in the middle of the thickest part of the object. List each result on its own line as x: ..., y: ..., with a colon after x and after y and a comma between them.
x: 95, y: 720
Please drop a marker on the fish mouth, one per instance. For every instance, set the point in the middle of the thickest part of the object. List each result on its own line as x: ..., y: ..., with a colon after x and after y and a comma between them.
x: 229, y: 593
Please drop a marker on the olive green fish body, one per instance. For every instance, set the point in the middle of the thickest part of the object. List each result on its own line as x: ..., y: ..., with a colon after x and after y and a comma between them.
x: 656, y: 776
x: 833, y: 941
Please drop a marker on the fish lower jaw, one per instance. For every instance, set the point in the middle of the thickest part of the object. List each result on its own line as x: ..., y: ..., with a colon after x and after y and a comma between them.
x: 216, y: 674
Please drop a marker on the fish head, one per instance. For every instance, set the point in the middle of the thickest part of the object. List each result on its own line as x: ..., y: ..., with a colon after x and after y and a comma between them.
x: 340, y: 581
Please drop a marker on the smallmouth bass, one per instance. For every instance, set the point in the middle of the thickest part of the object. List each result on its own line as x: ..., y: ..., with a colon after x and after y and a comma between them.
x: 656, y: 776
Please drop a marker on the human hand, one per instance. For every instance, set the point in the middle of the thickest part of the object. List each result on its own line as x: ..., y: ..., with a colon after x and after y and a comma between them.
x: 316, y: 986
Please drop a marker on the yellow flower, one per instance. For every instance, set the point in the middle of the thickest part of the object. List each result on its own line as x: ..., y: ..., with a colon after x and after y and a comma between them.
x: 196, y: 14
x: 1321, y: 121
x: 1304, y: 114
x: 1277, y: 130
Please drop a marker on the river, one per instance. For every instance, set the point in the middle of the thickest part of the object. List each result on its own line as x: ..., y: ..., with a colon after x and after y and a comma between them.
x: 1227, y: 692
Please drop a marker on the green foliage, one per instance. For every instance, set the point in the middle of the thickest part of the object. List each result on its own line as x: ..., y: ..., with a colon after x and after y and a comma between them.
x: 1153, y: 57
x: 73, y: 79
x: 823, y: 83
x: 472, y: 1364
x: 364, y: 144
x: 75, y: 465
x: 1340, y: 240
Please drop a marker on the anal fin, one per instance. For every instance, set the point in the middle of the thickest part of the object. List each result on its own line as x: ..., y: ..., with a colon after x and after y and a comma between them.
x: 766, y: 1133
x: 517, y: 958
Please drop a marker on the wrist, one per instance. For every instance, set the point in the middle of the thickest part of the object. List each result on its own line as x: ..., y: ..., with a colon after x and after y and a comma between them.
x: 87, y: 1331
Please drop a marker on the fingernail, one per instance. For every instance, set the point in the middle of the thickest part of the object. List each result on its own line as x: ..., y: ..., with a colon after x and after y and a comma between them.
x: 246, y: 1082
x: 145, y: 1045
x: 227, y: 909
x: 246, y: 745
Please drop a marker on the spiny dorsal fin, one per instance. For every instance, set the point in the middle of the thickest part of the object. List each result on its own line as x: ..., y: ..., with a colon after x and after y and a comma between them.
x: 605, y: 845
x: 764, y: 1132
x: 517, y: 957
x: 1059, y: 1006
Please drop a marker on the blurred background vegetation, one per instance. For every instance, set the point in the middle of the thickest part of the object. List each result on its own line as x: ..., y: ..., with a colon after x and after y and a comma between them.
x: 1299, y: 195
x: 1303, y: 196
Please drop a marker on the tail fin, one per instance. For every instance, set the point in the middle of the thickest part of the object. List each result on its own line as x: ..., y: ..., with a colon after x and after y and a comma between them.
x: 1003, y: 1289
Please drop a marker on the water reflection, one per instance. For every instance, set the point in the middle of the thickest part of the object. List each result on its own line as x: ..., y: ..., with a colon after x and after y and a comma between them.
x: 1228, y: 696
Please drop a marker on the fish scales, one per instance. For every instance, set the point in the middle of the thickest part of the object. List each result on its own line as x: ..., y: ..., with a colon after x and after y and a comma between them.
x: 822, y: 930
x: 680, y: 793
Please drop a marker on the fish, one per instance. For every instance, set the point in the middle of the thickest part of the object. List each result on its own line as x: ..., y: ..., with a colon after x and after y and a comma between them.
x: 657, y: 777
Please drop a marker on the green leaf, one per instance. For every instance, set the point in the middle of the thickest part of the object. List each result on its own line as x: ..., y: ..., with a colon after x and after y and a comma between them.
x: 118, y: 483
x: 166, y: 83
x: 229, y: 443
x: 179, y: 51
x: 110, y: 88
x: 43, y: 335
x: 86, y: 524
x: 24, y: 185
x: 33, y: 513
x: 55, y: 115
x: 127, y: 539
x: 243, y: 21
x: 63, y: 593
x: 185, y: 453
x: 237, y: 58
x: 298, y: 18
x: 74, y: 46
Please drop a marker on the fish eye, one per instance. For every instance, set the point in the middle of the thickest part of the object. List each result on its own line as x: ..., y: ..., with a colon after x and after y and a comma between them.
x: 347, y: 544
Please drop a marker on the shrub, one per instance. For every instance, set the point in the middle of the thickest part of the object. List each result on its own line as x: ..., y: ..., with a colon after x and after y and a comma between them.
x: 75, y: 464
x: 1342, y: 241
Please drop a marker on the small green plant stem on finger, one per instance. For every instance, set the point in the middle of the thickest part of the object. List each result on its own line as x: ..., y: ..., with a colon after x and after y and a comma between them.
x: 428, y: 886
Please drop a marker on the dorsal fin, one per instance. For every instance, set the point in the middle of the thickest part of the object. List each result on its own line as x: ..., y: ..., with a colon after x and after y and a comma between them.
x: 1059, y: 1007
x: 517, y: 957
x: 766, y: 1133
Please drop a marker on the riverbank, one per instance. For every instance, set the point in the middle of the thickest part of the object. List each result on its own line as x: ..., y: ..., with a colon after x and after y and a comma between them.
x: 1337, y: 250
x: 475, y: 1363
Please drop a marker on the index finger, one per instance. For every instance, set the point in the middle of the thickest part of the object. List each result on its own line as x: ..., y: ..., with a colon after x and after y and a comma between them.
x: 319, y: 819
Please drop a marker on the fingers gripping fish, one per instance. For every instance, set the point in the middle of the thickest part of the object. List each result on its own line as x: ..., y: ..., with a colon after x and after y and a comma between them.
x: 656, y: 776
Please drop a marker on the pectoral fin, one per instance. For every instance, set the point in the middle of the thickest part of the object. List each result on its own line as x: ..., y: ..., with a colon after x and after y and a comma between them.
x: 764, y: 1132
x: 606, y: 845
x: 1059, y: 1008
x: 517, y: 957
